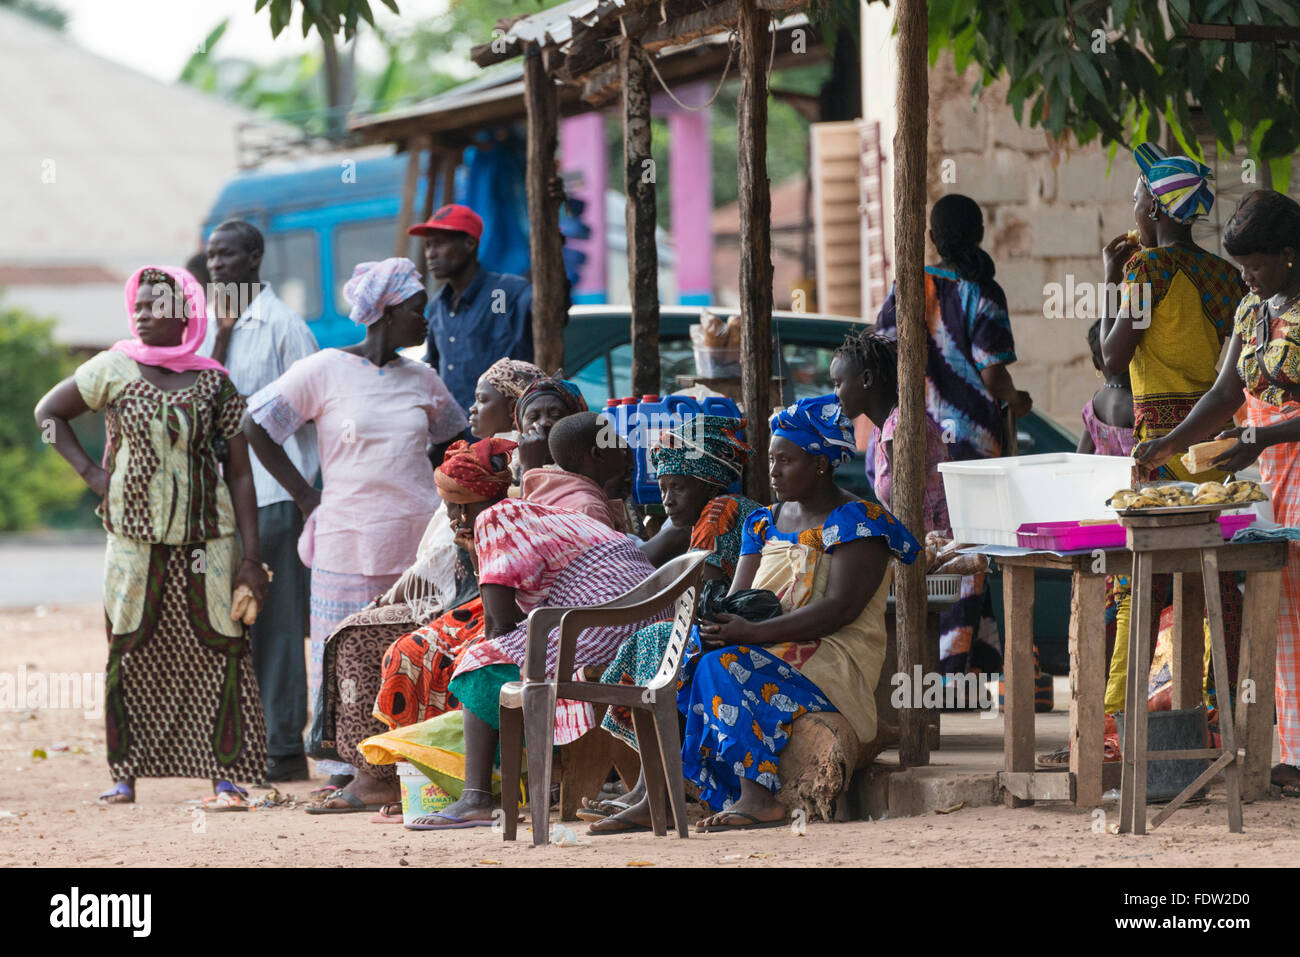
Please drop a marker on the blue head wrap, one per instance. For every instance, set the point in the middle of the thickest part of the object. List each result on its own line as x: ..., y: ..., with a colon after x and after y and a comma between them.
x: 819, y: 427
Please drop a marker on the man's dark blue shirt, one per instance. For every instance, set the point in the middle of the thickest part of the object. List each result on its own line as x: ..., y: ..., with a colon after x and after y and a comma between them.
x: 493, y: 320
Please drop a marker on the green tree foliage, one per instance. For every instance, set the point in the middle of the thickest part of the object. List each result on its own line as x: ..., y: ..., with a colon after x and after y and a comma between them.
x: 35, y: 482
x: 47, y: 13
x: 1123, y: 70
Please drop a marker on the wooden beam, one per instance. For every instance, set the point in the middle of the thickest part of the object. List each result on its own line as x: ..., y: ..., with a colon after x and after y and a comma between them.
x: 642, y: 252
x: 436, y: 161
x: 414, y: 149
x: 755, y: 201
x: 909, y: 259
x: 546, y: 258
x: 449, y: 175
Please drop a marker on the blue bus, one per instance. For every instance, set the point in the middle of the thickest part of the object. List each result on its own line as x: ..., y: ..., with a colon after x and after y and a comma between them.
x: 319, y: 219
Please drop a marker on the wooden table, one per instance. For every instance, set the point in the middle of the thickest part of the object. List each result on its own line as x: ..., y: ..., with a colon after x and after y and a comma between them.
x: 1261, y: 561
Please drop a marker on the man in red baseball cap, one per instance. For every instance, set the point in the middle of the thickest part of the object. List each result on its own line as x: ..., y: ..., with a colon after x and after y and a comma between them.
x: 478, y: 316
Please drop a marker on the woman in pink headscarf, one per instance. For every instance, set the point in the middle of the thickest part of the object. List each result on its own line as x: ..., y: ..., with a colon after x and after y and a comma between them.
x: 377, y: 416
x: 181, y: 696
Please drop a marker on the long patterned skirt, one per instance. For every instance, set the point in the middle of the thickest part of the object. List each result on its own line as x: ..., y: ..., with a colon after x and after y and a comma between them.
x: 1279, y: 466
x: 335, y: 596
x: 636, y: 663
x: 739, y: 703
x: 181, y: 696
x: 417, y: 667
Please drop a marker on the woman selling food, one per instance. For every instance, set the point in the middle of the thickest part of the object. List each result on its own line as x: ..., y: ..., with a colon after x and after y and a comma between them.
x: 1175, y: 312
x: 1262, y: 365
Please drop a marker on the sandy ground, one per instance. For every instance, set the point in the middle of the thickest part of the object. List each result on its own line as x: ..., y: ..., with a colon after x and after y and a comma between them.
x: 49, y: 815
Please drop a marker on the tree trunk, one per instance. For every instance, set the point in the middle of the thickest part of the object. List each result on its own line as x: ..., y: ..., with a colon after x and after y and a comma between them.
x: 909, y: 440
x: 546, y: 257
x: 333, y: 75
x: 755, y: 201
x: 639, y: 176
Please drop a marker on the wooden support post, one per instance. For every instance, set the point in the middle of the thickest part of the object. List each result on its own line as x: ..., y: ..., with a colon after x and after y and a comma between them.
x: 642, y: 252
x: 414, y: 149
x: 1087, y: 686
x: 755, y: 202
x: 1256, y: 680
x: 909, y: 441
x: 1188, y: 668
x: 1018, y: 714
x: 545, y: 254
x: 436, y: 161
x: 449, y: 176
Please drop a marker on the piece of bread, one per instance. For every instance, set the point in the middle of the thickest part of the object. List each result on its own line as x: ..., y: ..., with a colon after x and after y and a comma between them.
x: 1198, y: 458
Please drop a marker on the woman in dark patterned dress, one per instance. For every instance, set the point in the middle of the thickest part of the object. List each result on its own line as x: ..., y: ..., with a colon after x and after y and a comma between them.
x: 181, y: 697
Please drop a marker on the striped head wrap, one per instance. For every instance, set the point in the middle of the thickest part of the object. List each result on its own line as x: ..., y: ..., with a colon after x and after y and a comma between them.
x: 562, y: 389
x: 819, y: 427
x: 376, y: 285
x: 467, y: 474
x: 511, y: 377
x: 1180, y: 184
x: 704, y: 447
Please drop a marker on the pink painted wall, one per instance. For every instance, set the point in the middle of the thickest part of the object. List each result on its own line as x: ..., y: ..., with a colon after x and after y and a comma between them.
x: 582, y: 149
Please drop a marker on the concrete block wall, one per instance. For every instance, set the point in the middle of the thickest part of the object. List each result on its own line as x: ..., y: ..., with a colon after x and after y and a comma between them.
x: 1047, y: 214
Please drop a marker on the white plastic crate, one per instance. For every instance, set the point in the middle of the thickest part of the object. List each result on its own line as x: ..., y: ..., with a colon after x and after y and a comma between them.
x: 989, y: 499
x: 939, y: 589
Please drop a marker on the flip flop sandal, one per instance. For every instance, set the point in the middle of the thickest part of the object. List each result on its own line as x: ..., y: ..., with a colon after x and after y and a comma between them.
x: 599, y: 810
x: 1291, y: 791
x: 354, y: 805
x: 387, y: 816
x: 228, y: 798
x: 754, y: 825
x: 452, y: 823
x: 625, y: 827
x: 120, y: 789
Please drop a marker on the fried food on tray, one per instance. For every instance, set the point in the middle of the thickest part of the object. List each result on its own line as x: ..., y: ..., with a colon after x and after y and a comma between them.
x: 1241, y: 491
x: 1210, y: 493
x: 1122, y: 498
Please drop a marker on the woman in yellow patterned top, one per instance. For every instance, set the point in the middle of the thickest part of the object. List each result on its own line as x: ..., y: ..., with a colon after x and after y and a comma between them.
x: 1263, y: 367
x: 1177, y: 300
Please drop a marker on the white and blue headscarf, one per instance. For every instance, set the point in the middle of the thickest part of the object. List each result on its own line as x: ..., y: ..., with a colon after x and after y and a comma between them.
x: 819, y: 427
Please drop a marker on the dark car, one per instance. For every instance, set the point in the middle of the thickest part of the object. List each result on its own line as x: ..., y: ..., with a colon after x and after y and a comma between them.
x: 598, y: 357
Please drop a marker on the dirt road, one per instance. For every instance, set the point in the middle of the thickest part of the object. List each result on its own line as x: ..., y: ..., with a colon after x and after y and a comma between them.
x: 49, y: 816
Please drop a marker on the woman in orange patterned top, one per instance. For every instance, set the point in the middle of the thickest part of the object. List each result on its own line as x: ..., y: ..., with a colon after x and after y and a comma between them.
x: 1262, y: 366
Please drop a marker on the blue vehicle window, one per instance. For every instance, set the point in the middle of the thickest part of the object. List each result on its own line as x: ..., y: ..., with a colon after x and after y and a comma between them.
x: 292, y: 267
x: 367, y: 240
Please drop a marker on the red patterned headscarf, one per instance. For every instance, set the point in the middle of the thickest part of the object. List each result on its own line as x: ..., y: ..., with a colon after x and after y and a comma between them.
x: 467, y: 475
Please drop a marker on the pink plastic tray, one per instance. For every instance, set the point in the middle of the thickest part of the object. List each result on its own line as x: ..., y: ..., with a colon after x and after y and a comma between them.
x: 1071, y: 536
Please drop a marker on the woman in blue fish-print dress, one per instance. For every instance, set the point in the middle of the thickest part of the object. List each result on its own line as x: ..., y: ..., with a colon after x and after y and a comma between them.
x: 826, y: 555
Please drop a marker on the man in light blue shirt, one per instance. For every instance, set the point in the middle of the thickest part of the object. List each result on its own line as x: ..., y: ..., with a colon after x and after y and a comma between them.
x: 257, y: 337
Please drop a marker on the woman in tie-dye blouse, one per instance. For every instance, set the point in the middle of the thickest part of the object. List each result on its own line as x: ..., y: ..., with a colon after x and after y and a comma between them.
x: 969, y: 335
x: 826, y: 555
